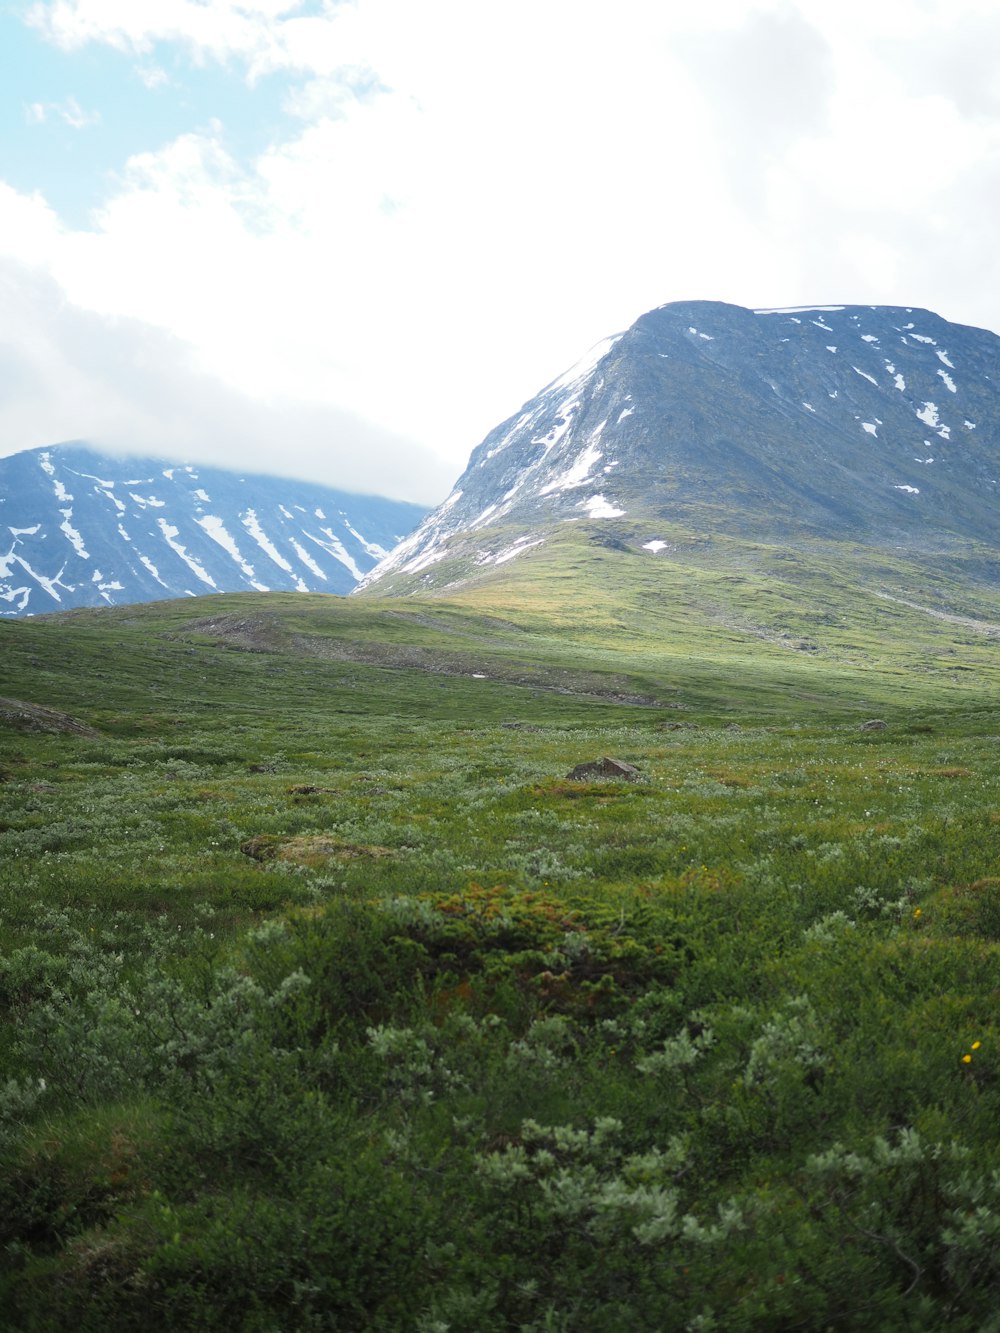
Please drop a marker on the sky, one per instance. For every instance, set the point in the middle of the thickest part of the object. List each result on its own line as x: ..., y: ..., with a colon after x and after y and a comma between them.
x: 344, y: 239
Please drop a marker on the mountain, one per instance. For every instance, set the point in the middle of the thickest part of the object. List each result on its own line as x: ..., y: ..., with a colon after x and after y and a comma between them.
x: 869, y: 425
x: 79, y: 528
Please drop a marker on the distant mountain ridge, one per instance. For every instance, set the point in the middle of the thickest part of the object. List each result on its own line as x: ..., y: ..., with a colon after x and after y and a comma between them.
x: 81, y: 528
x: 869, y: 424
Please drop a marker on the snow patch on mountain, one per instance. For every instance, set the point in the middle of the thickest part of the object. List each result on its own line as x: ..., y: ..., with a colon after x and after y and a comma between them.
x: 598, y: 507
x: 373, y: 549
x: 582, y: 368
x: 66, y: 527
x: 559, y: 428
x: 170, y: 534
x: 424, y: 561
x: 801, y: 310
x: 578, y: 473
x: 145, y: 560
x: 217, y: 530
x: 336, y: 548
x: 252, y: 525
x: 518, y: 425
x: 512, y: 552
x: 485, y: 516
x: 49, y: 584
x: 308, y: 561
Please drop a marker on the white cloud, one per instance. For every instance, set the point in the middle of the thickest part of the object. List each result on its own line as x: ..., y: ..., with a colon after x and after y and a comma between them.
x: 70, y: 111
x: 29, y: 228
x: 217, y: 29
x: 66, y: 373
x: 152, y: 76
x: 463, y: 199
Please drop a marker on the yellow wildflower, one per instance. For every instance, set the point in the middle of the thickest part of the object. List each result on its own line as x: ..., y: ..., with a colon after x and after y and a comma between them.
x: 976, y: 1045
x: 966, y: 1059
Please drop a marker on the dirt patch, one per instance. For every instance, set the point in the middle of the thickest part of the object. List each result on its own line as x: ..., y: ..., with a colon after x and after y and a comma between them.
x: 464, y: 631
x: 264, y: 634
x: 22, y: 716
x: 986, y: 627
x: 310, y: 849
x: 249, y: 634
x: 448, y: 662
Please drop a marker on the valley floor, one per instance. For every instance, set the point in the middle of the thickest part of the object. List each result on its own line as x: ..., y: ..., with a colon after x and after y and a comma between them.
x: 330, y: 1002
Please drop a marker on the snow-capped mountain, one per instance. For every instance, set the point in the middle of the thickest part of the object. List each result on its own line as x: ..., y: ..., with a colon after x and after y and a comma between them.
x: 877, y: 424
x: 78, y: 528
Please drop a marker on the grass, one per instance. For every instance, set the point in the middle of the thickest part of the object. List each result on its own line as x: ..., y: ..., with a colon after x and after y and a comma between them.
x: 329, y: 1002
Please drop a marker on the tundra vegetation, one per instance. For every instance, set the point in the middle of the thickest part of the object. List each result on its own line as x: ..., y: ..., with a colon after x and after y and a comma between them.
x: 329, y: 1002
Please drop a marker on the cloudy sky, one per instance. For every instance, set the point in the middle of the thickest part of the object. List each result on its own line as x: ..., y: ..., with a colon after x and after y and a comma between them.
x: 344, y: 238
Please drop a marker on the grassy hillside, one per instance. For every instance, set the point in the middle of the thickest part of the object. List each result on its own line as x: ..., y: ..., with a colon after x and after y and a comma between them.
x: 330, y: 1002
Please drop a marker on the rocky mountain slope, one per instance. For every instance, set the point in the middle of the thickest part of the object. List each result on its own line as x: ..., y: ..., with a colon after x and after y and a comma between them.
x: 78, y: 528
x: 873, y: 425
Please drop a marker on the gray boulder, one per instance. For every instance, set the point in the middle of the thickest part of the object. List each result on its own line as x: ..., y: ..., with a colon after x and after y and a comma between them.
x: 604, y: 768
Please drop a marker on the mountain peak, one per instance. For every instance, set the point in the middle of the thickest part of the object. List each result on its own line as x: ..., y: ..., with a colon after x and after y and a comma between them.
x: 854, y: 422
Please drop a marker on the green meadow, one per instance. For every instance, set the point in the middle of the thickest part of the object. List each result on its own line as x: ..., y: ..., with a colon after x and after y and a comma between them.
x: 329, y: 1001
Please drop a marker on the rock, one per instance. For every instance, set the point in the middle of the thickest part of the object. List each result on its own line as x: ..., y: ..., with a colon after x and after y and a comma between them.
x: 24, y: 716
x: 874, y: 724
x: 604, y: 768
x: 611, y: 542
